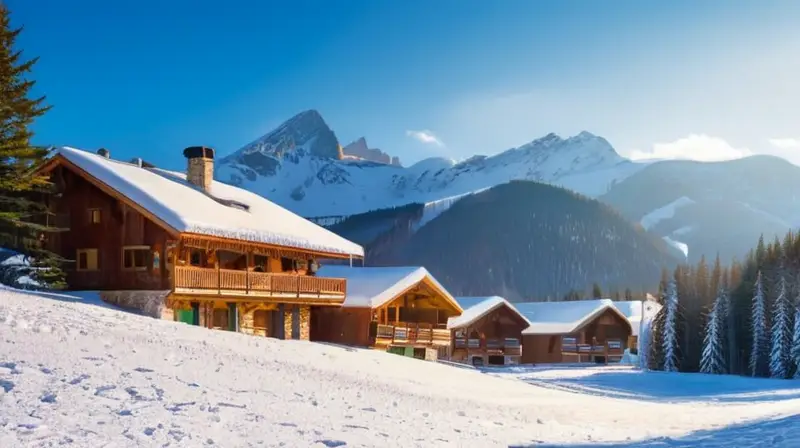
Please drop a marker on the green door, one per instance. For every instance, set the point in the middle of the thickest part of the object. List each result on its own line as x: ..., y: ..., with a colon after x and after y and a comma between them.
x: 186, y: 316
x: 233, y: 317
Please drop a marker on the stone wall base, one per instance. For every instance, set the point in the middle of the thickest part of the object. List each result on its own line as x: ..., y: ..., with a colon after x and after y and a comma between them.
x: 148, y: 303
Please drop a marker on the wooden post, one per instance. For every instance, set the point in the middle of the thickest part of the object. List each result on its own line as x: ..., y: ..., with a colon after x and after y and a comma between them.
x: 248, y: 255
x: 219, y: 272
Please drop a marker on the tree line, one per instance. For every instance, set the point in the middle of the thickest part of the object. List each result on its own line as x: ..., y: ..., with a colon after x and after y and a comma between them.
x: 738, y: 319
x: 24, y: 216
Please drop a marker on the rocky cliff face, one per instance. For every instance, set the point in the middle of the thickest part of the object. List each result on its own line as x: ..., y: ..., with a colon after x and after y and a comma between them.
x: 304, y: 134
x: 360, y: 150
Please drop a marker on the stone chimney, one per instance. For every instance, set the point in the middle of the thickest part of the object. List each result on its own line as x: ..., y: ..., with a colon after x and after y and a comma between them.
x: 104, y: 153
x: 200, y: 166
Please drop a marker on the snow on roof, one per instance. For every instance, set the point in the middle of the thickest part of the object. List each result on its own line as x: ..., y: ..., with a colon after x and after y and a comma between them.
x: 562, y: 317
x: 633, y: 311
x: 371, y: 287
x: 187, y: 208
x: 477, y: 307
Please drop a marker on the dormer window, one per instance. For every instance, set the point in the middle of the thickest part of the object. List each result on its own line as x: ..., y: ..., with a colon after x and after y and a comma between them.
x: 95, y: 216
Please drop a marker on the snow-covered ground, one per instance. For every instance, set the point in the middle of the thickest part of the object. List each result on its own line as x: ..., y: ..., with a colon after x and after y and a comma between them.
x: 79, y: 373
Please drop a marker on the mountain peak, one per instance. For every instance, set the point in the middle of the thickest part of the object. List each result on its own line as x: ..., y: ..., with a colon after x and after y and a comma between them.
x: 304, y: 133
x: 360, y: 150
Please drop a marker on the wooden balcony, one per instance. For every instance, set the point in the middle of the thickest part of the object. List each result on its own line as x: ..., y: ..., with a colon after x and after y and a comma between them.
x: 227, y: 282
x: 506, y: 346
x: 416, y: 334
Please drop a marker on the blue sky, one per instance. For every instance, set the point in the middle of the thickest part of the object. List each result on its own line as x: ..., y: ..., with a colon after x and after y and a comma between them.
x: 418, y: 78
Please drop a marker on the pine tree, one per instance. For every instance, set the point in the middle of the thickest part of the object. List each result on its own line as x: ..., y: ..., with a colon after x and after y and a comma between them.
x: 23, y: 214
x: 795, y: 353
x: 628, y: 294
x: 597, y: 292
x: 779, y: 365
x: 713, y: 356
x: 670, y: 330
x: 759, y: 329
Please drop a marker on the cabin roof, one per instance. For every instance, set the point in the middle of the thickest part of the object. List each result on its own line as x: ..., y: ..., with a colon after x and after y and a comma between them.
x: 563, y: 317
x: 477, y: 307
x: 372, y: 287
x: 633, y: 311
x: 188, y: 209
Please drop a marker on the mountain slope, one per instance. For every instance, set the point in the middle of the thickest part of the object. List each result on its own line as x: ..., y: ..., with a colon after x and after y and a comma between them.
x: 522, y: 240
x: 712, y: 207
x: 301, y: 167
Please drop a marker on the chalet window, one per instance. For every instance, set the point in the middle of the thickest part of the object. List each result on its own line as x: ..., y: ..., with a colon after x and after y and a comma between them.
x: 87, y: 259
x: 135, y: 258
x: 287, y: 264
x: 195, y: 257
x: 260, y: 262
x: 260, y: 319
x: 94, y: 216
x: 220, y: 318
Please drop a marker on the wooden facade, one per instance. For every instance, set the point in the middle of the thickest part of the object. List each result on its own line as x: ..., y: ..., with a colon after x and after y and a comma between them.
x: 416, y: 317
x: 109, y: 244
x: 493, y: 339
x: 599, y: 336
x: 113, y: 244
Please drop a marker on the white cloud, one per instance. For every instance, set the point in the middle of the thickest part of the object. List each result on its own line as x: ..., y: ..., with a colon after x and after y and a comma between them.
x: 785, y: 143
x: 698, y: 147
x: 425, y: 136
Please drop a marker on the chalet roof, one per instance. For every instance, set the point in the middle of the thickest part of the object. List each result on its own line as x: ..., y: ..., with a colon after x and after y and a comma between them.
x: 371, y: 287
x: 634, y: 312
x: 477, y: 307
x: 563, y: 317
x: 186, y: 208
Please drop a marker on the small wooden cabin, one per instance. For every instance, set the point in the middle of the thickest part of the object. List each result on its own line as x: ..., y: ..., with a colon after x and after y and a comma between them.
x: 489, y: 332
x: 209, y: 253
x: 574, y: 331
x: 387, y: 308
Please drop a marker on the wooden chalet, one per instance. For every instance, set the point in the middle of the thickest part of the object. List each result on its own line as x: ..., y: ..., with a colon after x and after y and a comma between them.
x: 489, y: 332
x: 390, y: 308
x: 575, y: 331
x: 208, y: 253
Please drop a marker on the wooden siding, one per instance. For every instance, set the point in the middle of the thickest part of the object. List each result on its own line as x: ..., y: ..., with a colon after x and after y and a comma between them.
x: 348, y: 326
x: 543, y: 349
x: 498, y: 333
x: 119, y: 226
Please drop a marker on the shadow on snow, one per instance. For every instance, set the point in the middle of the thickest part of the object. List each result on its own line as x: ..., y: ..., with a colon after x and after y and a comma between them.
x: 619, y: 382
x: 782, y: 432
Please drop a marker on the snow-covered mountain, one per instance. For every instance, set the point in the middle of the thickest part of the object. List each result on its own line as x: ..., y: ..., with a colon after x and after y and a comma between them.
x: 709, y: 208
x: 301, y: 166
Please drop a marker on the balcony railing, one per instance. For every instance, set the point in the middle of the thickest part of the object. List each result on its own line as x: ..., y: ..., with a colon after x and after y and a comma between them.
x: 507, y: 346
x: 228, y: 281
x: 412, y: 334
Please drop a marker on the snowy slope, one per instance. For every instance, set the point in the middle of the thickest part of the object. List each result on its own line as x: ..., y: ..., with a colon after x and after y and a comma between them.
x: 293, y: 167
x: 87, y: 375
x: 665, y: 212
x: 709, y: 208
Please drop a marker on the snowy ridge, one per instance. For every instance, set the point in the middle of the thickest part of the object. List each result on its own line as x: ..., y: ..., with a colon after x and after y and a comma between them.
x: 435, y: 208
x: 309, y: 184
x: 184, y: 207
x: 665, y: 212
